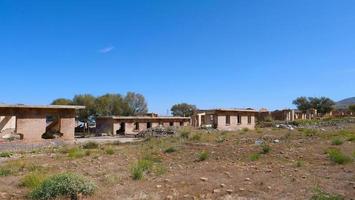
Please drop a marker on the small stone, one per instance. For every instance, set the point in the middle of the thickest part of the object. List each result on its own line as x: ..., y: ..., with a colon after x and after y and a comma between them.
x: 247, y: 179
x: 229, y: 191
x: 158, y: 186
x: 186, y: 196
x: 241, y: 189
x: 204, y: 179
x: 216, y: 191
x: 169, y: 197
x: 166, y: 180
x: 223, y: 185
x: 269, y: 187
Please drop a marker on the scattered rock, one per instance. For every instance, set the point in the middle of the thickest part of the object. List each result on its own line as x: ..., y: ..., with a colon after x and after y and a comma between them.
x: 229, y: 191
x: 158, y: 186
x: 223, y: 185
x: 204, y: 179
x: 247, y: 179
x: 269, y: 187
x: 169, y: 197
x: 241, y: 189
x: 216, y: 191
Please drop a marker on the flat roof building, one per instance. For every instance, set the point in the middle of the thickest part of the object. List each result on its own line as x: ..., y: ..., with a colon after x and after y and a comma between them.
x: 32, y: 122
x: 225, y: 119
x: 121, y: 125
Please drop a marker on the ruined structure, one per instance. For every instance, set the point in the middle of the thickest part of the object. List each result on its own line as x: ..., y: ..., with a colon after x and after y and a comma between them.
x: 225, y: 119
x: 292, y: 115
x: 32, y: 124
x: 122, y: 125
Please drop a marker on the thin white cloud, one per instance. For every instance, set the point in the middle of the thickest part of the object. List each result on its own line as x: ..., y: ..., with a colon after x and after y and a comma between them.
x: 107, y: 49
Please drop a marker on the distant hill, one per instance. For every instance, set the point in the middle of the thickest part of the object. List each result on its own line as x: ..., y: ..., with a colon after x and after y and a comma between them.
x: 345, y: 103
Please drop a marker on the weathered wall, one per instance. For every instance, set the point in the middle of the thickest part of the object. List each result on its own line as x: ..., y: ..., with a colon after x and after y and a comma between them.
x: 106, y: 126
x: 31, y: 128
x: 221, y: 123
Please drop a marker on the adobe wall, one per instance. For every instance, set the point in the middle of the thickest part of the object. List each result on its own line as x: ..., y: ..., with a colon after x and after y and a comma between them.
x: 233, y: 126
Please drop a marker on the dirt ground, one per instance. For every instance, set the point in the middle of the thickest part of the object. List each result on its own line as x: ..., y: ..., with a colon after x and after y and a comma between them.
x: 295, y: 167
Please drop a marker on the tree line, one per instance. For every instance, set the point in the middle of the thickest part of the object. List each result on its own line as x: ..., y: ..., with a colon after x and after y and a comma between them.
x: 323, y: 105
x: 109, y: 104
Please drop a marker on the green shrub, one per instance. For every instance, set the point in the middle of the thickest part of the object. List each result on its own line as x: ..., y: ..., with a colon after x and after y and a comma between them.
x: 337, y: 141
x: 5, y: 171
x: 5, y: 154
x: 185, y: 134
x: 245, y: 129
x: 65, y: 185
x: 170, y: 150
x: 110, y: 151
x: 338, y: 157
x: 221, y: 139
x: 196, y: 137
x: 309, y: 132
x: 77, y: 153
x: 91, y: 145
x: 137, y: 173
x: 254, y: 156
x: 33, y: 179
x: 321, y: 195
x: 265, y: 149
x: 299, y: 163
x: 142, y: 165
x: 202, y: 156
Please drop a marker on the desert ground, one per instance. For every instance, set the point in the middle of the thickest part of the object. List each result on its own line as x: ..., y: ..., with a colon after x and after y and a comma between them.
x: 266, y: 163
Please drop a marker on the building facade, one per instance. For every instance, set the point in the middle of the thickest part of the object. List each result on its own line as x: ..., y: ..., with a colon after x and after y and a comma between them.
x: 126, y: 125
x: 31, y: 123
x: 225, y: 119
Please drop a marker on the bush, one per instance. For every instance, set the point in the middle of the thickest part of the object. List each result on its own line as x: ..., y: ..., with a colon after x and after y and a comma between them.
x: 196, y: 137
x: 63, y: 185
x: 338, y: 157
x: 309, y: 132
x: 33, y: 179
x: 77, y: 153
x: 265, y: 149
x: 5, y: 154
x: 91, y: 145
x: 170, y: 150
x: 142, y: 165
x: 254, y: 156
x: 185, y: 135
x: 221, y: 139
x: 202, y: 156
x: 110, y: 151
x: 245, y: 129
x: 337, y: 141
x: 321, y: 195
x: 5, y: 171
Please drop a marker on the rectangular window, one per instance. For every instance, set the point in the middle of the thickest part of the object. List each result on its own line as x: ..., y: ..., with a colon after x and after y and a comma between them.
x: 239, y: 119
x: 249, y: 119
x: 228, y: 120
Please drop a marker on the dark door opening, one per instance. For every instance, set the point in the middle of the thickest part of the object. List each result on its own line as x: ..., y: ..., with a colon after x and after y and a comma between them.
x: 149, y: 125
x: 122, y: 129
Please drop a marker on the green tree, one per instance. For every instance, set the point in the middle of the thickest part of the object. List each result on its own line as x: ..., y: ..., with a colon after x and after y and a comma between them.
x: 110, y: 104
x: 352, y: 108
x: 323, y: 105
x: 302, y: 104
x: 135, y: 103
x: 88, y: 101
x: 183, y: 110
x: 62, y: 101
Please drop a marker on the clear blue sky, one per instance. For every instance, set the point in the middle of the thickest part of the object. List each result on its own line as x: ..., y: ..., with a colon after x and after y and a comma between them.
x: 219, y: 53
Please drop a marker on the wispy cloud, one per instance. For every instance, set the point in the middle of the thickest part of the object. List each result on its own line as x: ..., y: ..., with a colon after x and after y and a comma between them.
x: 107, y: 49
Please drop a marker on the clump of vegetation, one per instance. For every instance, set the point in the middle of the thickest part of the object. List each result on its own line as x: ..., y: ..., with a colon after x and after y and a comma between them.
x: 142, y: 165
x: 91, y: 145
x: 65, y: 185
x: 33, y: 179
x: 299, y: 163
x: 170, y: 150
x: 5, y: 154
x: 245, y: 130
x: 5, y: 171
x: 309, y: 132
x: 185, y: 135
x: 337, y: 141
x: 221, y: 139
x: 321, y: 195
x: 12, y: 167
x: 265, y: 149
x: 196, y: 137
x: 337, y: 156
x: 202, y: 156
x: 77, y: 153
x: 109, y: 151
x: 254, y: 156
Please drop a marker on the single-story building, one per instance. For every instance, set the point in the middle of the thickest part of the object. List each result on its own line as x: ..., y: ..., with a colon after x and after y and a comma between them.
x: 32, y: 123
x: 225, y: 119
x: 122, y: 125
